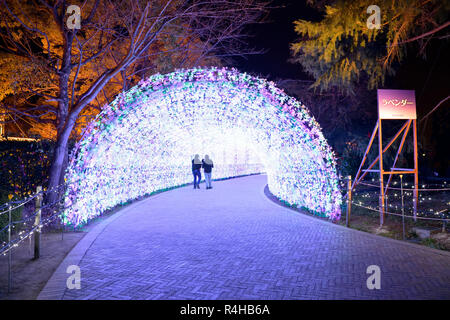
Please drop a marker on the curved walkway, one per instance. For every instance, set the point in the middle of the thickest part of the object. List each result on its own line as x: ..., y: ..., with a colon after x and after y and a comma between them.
x: 232, y: 242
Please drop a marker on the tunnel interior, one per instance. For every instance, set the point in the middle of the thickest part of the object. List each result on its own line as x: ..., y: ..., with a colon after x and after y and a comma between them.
x: 144, y: 142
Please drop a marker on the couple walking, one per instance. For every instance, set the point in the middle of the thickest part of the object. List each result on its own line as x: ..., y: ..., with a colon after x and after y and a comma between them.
x: 207, y: 166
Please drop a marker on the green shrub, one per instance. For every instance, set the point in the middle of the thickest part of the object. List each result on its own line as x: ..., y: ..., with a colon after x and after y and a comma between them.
x: 432, y: 243
x: 4, y: 218
x: 24, y: 165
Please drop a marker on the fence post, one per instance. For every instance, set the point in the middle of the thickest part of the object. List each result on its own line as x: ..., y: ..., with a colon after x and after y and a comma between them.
x: 349, y: 201
x: 385, y: 203
x: 403, y: 208
x: 37, y: 222
x: 9, y: 251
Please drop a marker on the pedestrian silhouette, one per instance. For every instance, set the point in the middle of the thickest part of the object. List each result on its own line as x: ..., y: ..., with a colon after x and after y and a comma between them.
x: 196, y: 166
x: 207, y: 165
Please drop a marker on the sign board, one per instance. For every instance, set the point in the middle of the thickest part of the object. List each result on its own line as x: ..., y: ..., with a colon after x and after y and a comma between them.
x: 396, y: 104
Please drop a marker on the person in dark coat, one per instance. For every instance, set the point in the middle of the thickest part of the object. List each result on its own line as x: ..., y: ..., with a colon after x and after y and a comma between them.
x: 207, y: 165
x: 196, y: 166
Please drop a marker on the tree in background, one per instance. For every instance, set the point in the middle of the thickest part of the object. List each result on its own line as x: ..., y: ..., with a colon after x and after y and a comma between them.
x: 344, y: 119
x: 58, y: 75
x: 340, y: 50
x: 345, y: 57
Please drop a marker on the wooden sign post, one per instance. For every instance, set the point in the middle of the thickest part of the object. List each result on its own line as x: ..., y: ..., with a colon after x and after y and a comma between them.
x: 392, y: 105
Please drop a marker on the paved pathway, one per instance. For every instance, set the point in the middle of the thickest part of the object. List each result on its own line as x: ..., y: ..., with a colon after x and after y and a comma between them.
x: 231, y: 242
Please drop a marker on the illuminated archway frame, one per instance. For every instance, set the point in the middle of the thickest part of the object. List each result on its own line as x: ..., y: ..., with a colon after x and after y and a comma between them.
x: 142, y: 142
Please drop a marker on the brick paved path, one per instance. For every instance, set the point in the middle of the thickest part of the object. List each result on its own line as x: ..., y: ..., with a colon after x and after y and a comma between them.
x: 231, y: 242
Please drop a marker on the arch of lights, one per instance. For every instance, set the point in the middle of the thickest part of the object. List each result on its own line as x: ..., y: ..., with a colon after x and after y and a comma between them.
x: 144, y: 140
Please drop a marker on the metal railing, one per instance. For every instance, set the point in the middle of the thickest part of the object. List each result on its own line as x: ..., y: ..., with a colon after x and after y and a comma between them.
x: 403, y: 190
x: 17, y: 231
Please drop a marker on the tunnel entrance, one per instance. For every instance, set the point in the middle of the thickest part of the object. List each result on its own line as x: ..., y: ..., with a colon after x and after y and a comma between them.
x: 144, y: 140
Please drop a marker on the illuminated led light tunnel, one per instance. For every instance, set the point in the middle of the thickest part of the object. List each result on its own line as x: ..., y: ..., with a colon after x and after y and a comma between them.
x: 144, y: 140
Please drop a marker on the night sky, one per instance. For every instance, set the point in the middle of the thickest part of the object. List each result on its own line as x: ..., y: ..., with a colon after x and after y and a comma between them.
x: 274, y: 36
x: 427, y: 76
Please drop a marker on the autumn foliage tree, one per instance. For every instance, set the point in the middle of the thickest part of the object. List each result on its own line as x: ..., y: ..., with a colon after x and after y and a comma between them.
x: 59, y: 76
x: 347, y: 60
x: 340, y: 50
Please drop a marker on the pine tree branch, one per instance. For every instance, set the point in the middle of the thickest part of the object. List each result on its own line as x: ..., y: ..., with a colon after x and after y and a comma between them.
x: 423, y: 35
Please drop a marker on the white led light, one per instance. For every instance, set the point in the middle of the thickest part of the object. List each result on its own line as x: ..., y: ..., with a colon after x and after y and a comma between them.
x: 144, y: 140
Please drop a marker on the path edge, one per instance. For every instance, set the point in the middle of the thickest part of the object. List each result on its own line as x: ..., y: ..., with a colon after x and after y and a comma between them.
x: 55, y: 287
x: 413, y: 245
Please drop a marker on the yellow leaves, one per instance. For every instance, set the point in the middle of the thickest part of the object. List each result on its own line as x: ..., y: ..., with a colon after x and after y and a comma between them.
x: 329, y: 10
x: 339, y: 47
x: 17, y: 73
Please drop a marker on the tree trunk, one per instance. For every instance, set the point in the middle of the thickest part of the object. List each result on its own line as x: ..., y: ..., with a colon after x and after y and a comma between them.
x: 64, y: 128
x: 64, y: 123
x: 57, y: 168
x: 60, y: 159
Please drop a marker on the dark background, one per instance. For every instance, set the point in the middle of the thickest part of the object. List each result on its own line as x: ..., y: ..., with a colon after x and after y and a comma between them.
x: 428, y: 76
